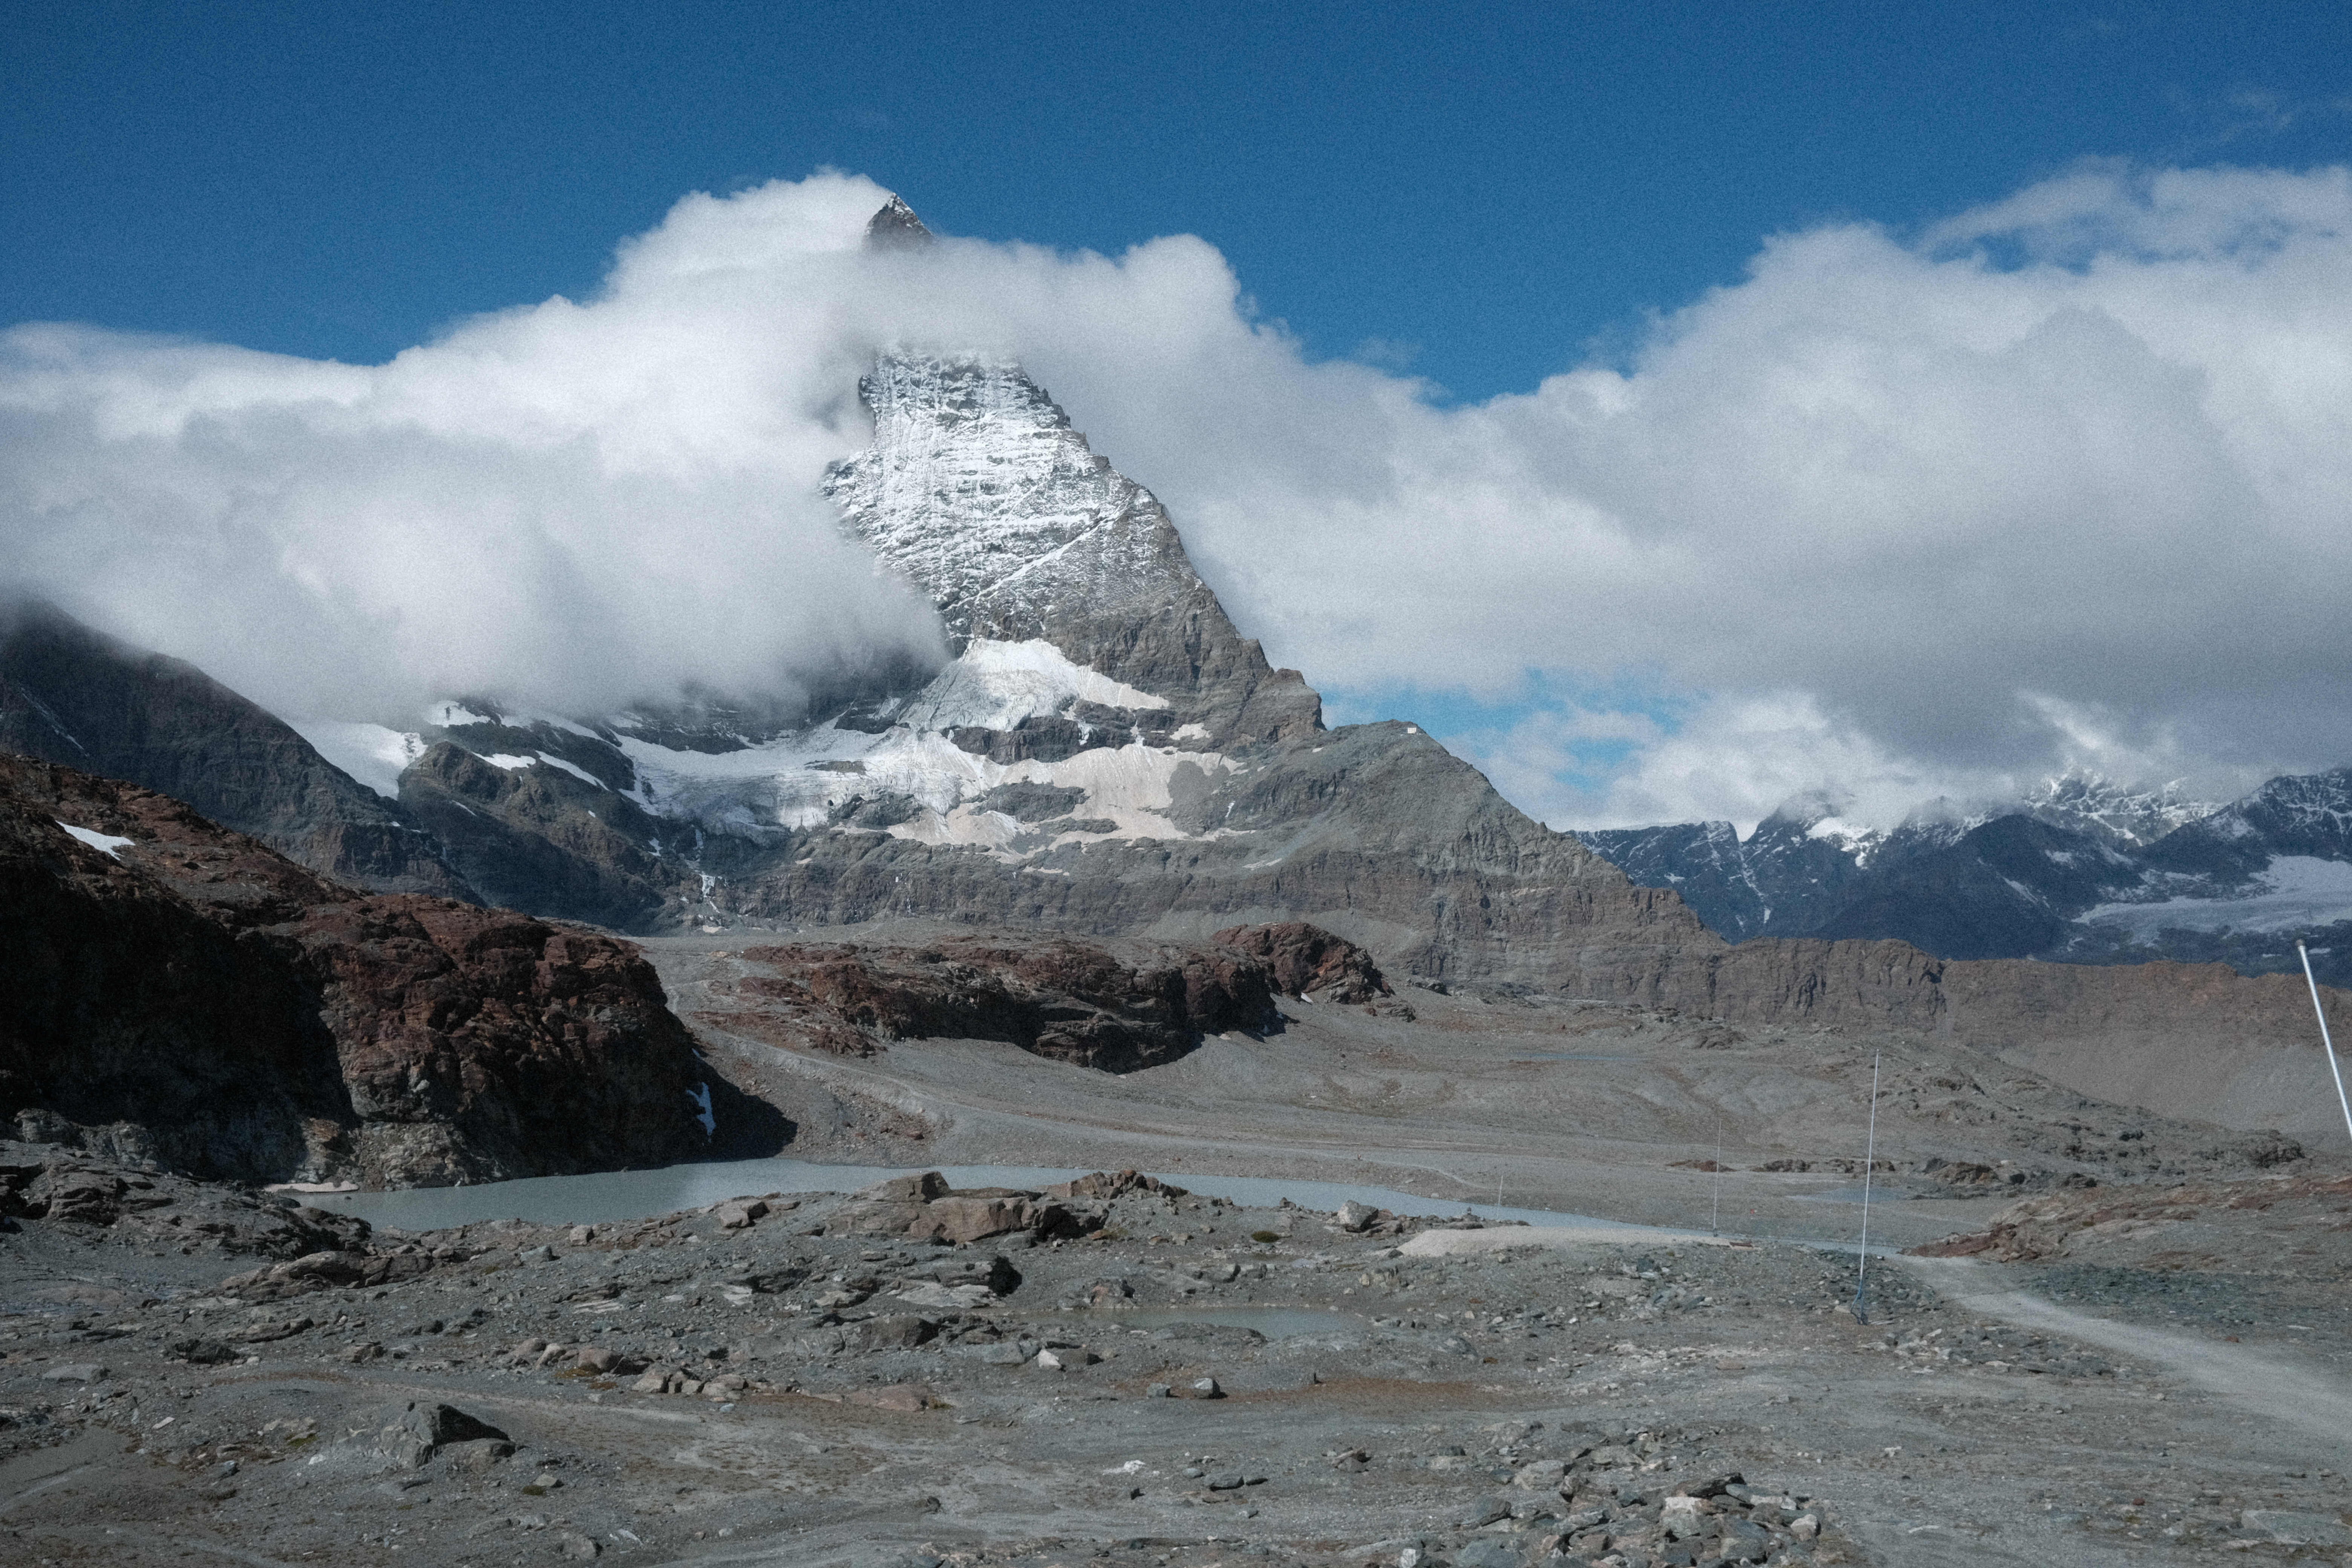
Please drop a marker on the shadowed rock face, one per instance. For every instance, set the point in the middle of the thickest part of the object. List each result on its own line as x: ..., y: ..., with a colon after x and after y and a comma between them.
x: 199, y: 1000
x: 71, y: 696
x: 147, y: 1208
x: 541, y: 839
x: 1071, y: 1001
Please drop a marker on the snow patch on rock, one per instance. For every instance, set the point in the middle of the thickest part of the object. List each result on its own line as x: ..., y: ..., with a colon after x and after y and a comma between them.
x: 105, y: 844
x: 799, y: 781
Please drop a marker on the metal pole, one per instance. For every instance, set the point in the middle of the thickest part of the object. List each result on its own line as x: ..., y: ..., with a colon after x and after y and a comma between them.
x: 1869, y: 1157
x: 1715, y: 1224
x: 2336, y: 1071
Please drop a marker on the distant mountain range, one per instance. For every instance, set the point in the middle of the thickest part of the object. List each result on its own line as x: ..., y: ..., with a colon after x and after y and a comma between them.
x: 2081, y: 871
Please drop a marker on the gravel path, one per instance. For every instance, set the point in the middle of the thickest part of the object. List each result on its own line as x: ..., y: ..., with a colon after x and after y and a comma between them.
x: 2275, y: 1387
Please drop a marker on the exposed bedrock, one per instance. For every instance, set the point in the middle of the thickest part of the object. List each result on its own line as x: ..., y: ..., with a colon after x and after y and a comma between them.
x: 1072, y: 1001
x: 181, y: 993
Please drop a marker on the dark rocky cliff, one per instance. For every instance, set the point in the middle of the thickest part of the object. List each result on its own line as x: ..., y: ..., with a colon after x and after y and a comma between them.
x: 182, y: 993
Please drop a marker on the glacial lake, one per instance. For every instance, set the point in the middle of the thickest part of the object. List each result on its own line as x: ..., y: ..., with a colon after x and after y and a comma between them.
x: 609, y: 1196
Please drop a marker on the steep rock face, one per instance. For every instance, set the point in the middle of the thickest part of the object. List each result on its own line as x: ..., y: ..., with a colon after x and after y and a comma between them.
x: 73, y: 697
x: 128, y: 1010
x: 478, y: 1045
x: 978, y: 490
x: 179, y: 992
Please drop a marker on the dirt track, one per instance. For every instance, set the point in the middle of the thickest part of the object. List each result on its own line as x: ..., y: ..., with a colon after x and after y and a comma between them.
x: 2280, y: 1388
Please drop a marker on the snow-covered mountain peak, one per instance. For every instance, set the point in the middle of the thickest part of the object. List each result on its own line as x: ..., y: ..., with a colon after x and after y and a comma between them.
x: 2125, y: 814
x: 978, y: 490
x: 2300, y: 804
x: 896, y: 227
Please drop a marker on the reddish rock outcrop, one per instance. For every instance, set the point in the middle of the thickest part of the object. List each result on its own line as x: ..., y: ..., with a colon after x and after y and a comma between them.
x: 1072, y: 1001
x: 183, y: 994
x: 1306, y: 960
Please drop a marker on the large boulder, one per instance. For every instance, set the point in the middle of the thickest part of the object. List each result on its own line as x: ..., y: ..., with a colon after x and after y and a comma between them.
x: 925, y: 1208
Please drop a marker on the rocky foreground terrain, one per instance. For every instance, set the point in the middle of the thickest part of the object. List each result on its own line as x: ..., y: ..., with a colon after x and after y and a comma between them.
x: 2122, y: 1337
x: 1116, y: 1371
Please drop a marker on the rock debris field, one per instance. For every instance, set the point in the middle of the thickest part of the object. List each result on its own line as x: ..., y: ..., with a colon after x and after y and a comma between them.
x: 1113, y: 1370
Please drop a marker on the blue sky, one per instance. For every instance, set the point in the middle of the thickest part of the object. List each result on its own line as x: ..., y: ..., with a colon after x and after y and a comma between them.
x: 1945, y: 383
x: 1480, y: 194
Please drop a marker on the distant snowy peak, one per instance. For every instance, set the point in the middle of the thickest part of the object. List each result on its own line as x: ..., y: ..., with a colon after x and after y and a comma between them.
x: 896, y: 227
x: 2126, y: 815
x: 2298, y: 814
x: 978, y: 491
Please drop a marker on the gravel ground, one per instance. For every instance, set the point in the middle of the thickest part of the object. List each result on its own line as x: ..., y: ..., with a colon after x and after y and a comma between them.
x: 763, y: 1383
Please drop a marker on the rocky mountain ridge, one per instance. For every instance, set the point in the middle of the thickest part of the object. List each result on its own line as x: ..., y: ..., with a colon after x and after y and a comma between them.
x: 2079, y: 872
x: 75, y: 697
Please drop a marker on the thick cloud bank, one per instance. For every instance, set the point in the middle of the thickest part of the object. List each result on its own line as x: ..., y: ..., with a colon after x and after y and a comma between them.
x: 571, y: 506
x: 2062, y: 482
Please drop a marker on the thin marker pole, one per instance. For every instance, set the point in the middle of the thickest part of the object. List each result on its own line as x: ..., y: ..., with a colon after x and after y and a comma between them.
x: 1715, y: 1223
x: 1869, y: 1157
x: 2323, y: 1039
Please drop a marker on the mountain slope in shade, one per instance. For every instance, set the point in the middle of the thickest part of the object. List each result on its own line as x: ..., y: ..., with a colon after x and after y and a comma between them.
x: 75, y: 697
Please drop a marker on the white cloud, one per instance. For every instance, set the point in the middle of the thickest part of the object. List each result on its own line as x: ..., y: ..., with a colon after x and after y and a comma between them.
x: 1945, y: 496
x: 2062, y: 478
x: 566, y: 505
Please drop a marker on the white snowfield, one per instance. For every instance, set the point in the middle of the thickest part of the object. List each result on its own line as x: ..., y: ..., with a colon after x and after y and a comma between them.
x: 796, y: 781
x: 996, y: 684
x: 2296, y: 891
x: 372, y: 753
x: 512, y: 760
